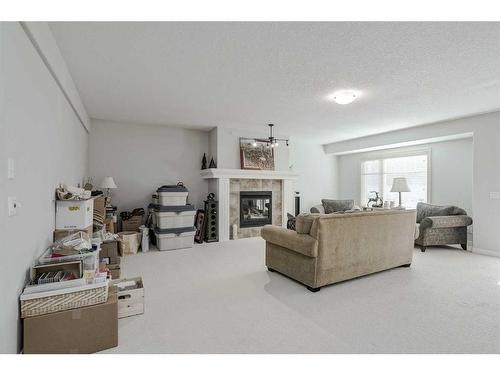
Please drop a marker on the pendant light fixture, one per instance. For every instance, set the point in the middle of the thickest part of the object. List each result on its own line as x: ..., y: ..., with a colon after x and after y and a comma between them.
x: 271, y: 141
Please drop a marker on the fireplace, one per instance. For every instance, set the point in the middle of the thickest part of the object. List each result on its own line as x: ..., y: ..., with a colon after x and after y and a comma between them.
x: 256, y: 208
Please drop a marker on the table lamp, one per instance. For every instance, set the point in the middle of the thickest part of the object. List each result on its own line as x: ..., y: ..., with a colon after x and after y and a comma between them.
x: 400, y: 185
x: 108, y: 183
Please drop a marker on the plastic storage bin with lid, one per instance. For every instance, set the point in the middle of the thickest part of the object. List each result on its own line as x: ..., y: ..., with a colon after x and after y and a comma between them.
x: 172, y: 195
x: 167, y: 217
x: 175, y: 238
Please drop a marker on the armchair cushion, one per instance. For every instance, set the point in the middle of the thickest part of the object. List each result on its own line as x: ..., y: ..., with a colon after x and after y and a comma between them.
x: 300, y: 243
x: 451, y: 221
x: 430, y: 210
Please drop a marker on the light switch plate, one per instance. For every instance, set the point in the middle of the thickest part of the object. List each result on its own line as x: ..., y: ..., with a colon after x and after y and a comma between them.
x: 10, y: 169
x: 494, y: 195
x: 12, y: 202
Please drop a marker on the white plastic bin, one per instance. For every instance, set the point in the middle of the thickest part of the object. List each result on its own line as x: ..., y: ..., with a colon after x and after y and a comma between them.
x: 172, y: 239
x: 172, y: 195
x: 167, y: 217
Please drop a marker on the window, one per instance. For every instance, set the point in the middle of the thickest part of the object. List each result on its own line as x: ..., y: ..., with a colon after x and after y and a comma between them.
x: 377, y: 175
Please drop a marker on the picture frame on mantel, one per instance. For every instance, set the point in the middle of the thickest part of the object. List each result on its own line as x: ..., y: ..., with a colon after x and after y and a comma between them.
x: 256, y: 155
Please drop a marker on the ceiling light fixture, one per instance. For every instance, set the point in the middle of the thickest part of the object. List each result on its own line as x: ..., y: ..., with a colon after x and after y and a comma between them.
x: 271, y: 141
x: 344, y: 97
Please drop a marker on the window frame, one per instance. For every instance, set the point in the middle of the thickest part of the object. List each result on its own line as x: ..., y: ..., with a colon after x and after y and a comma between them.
x: 396, y: 154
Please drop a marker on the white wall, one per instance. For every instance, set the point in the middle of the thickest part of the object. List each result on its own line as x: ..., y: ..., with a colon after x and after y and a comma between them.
x: 212, y: 145
x: 141, y: 158
x: 42, y: 133
x: 486, y: 167
x: 451, y: 172
x: 317, y: 173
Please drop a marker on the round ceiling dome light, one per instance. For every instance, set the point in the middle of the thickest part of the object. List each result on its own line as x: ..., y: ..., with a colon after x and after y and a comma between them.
x: 344, y: 97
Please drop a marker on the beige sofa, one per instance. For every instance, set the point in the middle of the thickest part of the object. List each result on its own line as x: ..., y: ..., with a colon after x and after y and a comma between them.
x: 326, y: 249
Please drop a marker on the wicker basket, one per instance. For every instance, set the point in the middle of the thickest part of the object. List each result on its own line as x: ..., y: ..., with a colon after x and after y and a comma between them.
x: 65, y: 299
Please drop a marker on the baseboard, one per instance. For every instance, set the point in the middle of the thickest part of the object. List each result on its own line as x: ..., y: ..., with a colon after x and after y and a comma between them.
x: 490, y: 253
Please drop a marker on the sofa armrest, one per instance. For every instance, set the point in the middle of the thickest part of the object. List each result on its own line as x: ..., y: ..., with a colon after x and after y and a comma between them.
x: 300, y: 243
x: 319, y: 209
x: 452, y: 221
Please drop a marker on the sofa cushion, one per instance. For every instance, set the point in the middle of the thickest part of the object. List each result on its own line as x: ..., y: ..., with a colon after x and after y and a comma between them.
x: 428, y: 210
x: 300, y: 243
x: 304, y: 222
x: 336, y: 205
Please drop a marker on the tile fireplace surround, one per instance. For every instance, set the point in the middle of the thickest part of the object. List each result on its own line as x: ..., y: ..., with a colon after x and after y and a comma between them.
x: 227, y: 184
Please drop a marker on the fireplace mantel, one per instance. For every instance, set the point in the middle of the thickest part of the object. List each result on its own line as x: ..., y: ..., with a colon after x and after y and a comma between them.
x: 248, y: 174
x: 219, y: 180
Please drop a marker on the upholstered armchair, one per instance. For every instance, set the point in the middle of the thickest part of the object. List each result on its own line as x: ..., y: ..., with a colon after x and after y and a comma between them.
x: 441, y: 225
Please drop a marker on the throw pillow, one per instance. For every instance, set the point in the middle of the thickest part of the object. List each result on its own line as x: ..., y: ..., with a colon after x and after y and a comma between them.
x: 290, y: 223
x: 305, y: 222
x: 336, y: 205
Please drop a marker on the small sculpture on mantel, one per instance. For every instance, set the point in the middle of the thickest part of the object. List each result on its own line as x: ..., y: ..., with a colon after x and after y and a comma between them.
x: 212, y: 163
x: 204, y: 162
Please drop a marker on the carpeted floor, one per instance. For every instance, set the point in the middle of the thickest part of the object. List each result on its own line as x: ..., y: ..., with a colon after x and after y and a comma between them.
x: 219, y: 298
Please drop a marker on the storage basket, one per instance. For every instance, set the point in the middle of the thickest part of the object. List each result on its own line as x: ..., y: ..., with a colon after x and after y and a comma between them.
x: 65, y: 299
x: 130, y: 242
x: 130, y: 296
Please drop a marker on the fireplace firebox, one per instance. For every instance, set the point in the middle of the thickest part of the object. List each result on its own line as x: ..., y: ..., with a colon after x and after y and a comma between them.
x: 256, y: 208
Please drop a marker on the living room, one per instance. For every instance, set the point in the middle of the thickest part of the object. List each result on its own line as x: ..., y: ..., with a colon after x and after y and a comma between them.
x: 254, y: 187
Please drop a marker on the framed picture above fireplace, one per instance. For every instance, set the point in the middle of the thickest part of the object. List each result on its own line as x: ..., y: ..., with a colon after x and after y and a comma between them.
x: 256, y: 154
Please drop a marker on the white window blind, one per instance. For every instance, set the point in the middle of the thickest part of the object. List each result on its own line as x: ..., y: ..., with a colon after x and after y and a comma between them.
x: 378, y: 174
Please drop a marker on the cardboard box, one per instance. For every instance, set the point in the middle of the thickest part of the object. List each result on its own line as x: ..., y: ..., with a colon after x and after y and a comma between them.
x: 60, y: 234
x: 85, y: 330
x: 110, y: 252
x: 114, y: 271
x: 132, y: 224
x: 74, y: 214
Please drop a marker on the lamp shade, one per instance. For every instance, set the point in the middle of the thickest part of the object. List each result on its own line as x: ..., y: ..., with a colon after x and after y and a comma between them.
x: 108, y: 183
x: 399, y: 184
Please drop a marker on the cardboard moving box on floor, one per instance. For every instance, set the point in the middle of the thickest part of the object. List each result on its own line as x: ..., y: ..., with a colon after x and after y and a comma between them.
x: 110, y: 252
x: 85, y: 330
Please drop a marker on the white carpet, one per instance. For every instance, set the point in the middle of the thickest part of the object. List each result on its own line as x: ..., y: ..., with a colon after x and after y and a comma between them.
x: 219, y: 298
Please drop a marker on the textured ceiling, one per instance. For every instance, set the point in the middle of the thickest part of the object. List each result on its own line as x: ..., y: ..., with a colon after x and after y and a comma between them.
x: 245, y: 75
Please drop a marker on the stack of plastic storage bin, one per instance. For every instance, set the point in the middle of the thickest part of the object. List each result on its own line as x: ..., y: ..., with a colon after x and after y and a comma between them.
x: 173, y: 218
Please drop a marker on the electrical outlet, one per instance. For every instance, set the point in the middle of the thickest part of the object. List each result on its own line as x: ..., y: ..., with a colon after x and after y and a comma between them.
x: 12, y: 202
x: 494, y: 195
